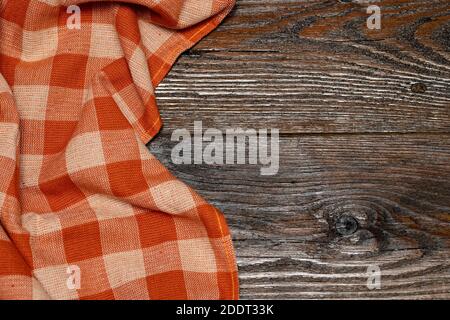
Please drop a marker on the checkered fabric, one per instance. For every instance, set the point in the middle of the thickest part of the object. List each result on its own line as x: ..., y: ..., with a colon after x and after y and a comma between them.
x: 86, y: 211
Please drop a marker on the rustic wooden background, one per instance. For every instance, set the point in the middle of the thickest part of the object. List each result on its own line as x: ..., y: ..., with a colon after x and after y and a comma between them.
x: 365, y: 144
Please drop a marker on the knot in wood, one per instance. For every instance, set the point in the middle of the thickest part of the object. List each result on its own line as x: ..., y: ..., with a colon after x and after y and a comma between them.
x: 418, y: 88
x: 346, y: 225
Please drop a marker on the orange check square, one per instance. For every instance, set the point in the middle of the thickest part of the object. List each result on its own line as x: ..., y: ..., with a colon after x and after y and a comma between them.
x: 57, y: 134
x: 69, y: 71
x: 82, y: 242
x: 109, y: 116
x: 61, y: 193
x: 167, y: 286
x: 11, y: 262
x: 8, y: 67
x: 156, y: 228
x: 126, y: 178
x: 16, y: 11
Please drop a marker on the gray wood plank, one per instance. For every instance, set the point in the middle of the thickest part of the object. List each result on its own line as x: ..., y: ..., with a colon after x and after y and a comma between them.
x: 365, y: 146
x: 288, y: 231
x: 313, y: 66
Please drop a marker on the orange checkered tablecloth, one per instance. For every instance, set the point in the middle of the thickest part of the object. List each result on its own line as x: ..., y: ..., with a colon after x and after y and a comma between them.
x: 86, y: 211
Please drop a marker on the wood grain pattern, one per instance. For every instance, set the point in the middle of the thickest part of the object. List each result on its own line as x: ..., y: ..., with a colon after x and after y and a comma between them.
x: 395, y: 187
x: 313, y: 66
x: 364, y: 148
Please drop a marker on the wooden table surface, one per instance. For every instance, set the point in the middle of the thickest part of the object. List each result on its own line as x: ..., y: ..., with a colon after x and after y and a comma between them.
x: 364, y: 126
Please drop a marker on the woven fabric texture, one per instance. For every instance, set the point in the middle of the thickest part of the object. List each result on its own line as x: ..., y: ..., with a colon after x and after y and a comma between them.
x: 86, y: 211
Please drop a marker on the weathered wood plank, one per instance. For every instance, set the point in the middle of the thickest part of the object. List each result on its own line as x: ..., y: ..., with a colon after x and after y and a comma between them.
x: 355, y: 196
x: 313, y: 66
x: 293, y: 232
x: 286, y: 272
